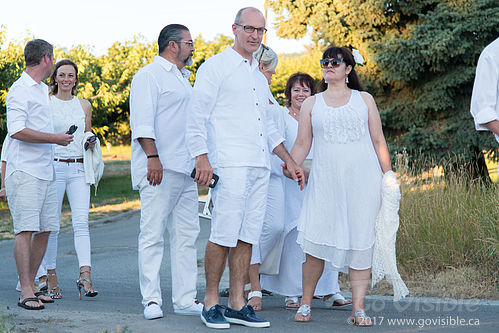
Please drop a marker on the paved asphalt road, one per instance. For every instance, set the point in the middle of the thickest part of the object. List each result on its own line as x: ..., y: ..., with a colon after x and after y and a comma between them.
x: 115, y: 273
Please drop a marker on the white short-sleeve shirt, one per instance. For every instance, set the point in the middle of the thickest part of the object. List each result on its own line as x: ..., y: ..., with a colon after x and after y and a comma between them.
x: 28, y: 107
x: 485, y: 97
x: 158, y: 99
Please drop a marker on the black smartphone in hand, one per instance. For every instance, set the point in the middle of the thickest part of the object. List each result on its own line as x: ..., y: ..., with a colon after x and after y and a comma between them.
x: 213, y: 181
x: 90, y: 140
x: 72, y: 129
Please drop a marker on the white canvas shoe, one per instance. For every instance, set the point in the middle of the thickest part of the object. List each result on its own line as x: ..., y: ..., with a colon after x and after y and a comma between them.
x: 194, y: 309
x: 152, y: 311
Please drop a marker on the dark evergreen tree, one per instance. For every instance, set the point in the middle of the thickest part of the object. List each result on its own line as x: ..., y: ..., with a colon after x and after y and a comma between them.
x: 421, y: 59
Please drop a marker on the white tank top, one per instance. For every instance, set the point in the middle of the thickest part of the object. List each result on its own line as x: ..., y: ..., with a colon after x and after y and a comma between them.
x: 65, y: 114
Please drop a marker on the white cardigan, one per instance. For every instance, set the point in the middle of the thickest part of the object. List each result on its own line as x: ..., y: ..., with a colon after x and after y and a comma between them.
x: 92, y: 162
x: 387, y: 224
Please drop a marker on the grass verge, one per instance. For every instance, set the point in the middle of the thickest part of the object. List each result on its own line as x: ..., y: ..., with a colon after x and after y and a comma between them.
x: 6, y: 326
x: 447, y: 243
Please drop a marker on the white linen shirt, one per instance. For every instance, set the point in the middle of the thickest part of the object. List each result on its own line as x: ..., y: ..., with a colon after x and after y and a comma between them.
x: 228, y: 116
x: 485, y: 96
x: 28, y: 107
x: 158, y: 99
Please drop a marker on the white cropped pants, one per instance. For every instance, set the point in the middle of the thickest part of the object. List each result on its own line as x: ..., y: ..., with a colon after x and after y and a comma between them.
x: 70, y: 179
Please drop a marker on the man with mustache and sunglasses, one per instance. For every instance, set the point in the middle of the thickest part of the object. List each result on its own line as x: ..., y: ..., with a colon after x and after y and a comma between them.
x: 160, y: 168
x: 229, y: 132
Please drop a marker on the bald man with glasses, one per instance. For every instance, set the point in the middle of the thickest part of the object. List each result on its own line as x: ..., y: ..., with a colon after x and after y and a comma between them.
x: 229, y: 132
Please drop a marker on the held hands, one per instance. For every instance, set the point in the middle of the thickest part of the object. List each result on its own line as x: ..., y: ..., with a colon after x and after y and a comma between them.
x: 306, y: 173
x: 293, y: 171
x: 62, y: 139
x: 204, y: 171
x: 154, y: 170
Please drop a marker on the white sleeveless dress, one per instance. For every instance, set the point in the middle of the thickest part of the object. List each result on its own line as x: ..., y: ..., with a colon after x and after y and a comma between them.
x: 289, y: 280
x: 343, y: 195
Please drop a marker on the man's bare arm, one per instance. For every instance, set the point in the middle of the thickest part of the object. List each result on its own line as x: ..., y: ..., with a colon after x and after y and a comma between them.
x: 29, y: 135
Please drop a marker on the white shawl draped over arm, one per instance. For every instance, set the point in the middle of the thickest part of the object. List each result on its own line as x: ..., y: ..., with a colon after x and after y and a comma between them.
x: 387, y: 224
x: 92, y: 162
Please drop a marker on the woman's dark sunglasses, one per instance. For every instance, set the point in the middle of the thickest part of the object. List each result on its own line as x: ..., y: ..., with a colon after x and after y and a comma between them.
x: 335, y: 62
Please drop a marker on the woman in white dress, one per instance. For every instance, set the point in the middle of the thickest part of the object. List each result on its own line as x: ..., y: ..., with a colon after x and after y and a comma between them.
x: 342, y: 199
x: 68, y: 110
x: 289, y: 279
x: 273, y: 223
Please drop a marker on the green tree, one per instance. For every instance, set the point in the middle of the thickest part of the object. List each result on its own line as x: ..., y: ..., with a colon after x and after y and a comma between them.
x: 206, y: 49
x: 11, y: 67
x: 420, y: 64
x: 117, y: 69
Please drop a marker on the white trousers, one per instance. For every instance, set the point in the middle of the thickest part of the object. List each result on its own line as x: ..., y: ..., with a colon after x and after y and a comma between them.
x: 273, y: 223
x: 70, y: 179
x: 173, y: 205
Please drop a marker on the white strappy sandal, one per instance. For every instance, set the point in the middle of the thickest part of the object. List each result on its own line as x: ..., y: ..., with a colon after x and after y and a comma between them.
x: 337, y: 301
x: 257, y: 294
x: 363, y: 319
x: 303, y: 314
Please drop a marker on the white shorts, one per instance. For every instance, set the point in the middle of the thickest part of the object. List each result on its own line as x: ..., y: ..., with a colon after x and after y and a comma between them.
x: 239, y: 201
x: 32, y: 203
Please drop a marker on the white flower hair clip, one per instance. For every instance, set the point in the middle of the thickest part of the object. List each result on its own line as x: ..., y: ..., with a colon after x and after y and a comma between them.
x: 357, y: 57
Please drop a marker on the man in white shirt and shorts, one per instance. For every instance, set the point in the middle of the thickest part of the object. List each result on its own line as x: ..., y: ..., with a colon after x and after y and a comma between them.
x: 29, y: 176
x: 229, y: 133
x: 161, y: 168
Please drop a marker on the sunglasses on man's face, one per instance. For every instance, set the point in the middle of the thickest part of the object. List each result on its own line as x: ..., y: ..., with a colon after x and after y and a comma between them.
x: 335, y: 62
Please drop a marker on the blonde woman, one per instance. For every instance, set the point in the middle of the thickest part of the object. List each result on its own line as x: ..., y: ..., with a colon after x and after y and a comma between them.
x: 69, y: 110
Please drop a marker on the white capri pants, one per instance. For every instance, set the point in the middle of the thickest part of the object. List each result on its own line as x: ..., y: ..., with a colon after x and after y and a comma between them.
x: 70, y: 179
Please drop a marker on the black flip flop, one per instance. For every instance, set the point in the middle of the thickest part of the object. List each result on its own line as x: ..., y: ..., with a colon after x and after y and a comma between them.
x: 27, y: 307
x: 266, y: 293
x: 44, y: 300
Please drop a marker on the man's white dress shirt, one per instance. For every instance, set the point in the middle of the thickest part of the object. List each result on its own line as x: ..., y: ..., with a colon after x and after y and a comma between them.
x: 227, y: 115
x: 158, y: 98
x: 28, y: 107
x: 485, y: 97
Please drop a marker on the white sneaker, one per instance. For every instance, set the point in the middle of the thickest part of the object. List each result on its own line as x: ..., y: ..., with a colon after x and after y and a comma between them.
x: 194, y: 309
x: 152, y: 311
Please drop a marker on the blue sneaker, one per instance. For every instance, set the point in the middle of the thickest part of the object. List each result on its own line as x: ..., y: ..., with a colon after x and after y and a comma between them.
x: 213, y: 318
x: 246, y: 316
